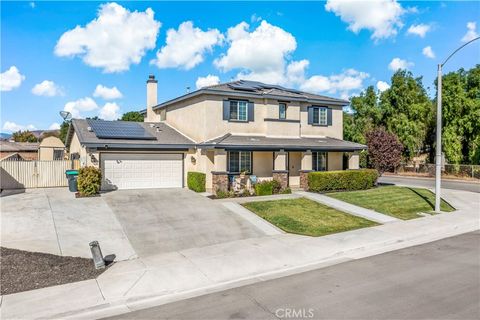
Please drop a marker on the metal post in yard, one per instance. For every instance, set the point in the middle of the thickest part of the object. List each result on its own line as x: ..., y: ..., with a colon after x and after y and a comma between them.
x: 438, y: 147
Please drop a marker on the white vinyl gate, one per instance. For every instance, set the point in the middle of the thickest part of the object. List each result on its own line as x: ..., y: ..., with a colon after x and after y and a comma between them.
x: 17, y: 174
x: 141, y: 171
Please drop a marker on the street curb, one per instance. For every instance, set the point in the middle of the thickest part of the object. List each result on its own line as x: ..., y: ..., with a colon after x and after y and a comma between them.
x: 122, y: 306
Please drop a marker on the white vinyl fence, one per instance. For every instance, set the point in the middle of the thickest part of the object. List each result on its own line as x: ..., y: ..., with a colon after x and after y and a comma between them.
x: 35, y: 174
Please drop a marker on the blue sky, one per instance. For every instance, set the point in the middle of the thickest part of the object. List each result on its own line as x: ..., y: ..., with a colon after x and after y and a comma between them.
x: 55, y: 54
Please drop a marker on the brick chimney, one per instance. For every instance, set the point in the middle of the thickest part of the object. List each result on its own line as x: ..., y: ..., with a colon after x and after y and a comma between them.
x: 151, y: 99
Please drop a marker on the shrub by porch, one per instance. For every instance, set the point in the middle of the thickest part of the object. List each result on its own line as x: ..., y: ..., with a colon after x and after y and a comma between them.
x: 342, y: 180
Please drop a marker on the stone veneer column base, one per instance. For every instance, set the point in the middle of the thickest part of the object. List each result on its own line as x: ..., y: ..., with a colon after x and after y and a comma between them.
x: 282, y: 177
x: 304, y: 179
x: 219, y: 181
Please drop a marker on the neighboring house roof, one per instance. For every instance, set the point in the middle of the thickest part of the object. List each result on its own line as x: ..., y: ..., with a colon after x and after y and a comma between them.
x: 8, y: 146
x: 39, y: 133
x: 254, y: 89
x: 165, y: 136
x: 230, y: 141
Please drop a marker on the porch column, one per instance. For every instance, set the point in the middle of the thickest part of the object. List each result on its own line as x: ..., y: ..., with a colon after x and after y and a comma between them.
x: 354, y: 160
x: 280, y: 170
x: 220, y: 174
x: 305, y: 169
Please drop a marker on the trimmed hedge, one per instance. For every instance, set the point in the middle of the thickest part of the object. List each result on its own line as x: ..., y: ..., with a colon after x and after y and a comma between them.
x: 89, y: 181
x: 342, y: 180
x: 196, y: 181
x: 264, y: 188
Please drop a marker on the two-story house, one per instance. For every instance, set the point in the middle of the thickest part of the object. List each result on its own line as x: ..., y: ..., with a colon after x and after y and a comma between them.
x: 243, y: 126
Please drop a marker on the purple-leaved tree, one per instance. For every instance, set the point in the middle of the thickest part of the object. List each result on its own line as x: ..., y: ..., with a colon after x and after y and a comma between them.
x: 384, y: 150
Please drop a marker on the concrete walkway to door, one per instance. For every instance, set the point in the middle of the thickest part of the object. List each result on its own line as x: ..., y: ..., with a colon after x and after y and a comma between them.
x: 164, y: 220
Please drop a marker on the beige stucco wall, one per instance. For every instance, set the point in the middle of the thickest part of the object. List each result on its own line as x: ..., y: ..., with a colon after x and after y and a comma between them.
x: 335, y: 161
x: 201, y: 118
x: 262, y: 164
x: 334, y: 131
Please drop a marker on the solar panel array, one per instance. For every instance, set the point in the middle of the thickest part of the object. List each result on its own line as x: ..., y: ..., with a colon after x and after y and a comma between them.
x: 253, y: 86
x: 119, y: 130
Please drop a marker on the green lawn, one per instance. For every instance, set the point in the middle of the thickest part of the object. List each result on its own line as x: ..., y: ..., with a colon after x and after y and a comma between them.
x: 400, y: 202
x: 306, y: 217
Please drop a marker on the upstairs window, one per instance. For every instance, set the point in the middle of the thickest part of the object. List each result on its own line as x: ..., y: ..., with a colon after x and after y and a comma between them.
x: 282, y: 109
x: 238, y: 110
x: 239, y: 161
x: 319, y: 161
x: 320, y: 116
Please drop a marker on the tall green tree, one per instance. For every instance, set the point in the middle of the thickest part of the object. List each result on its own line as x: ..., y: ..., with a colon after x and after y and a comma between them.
x: 132, y: 116
x: 366, y: 115
x: 64, y: 130
x: 461, y: 116
x: 406, y: 110
x: 24, y: 136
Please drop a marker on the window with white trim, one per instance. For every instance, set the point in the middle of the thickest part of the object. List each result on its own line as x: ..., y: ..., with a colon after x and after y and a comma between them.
x: 238, y: 110
x: 239, y: 161
x: 319, y: 161
x: 320, y: 116
x: 282, y: 110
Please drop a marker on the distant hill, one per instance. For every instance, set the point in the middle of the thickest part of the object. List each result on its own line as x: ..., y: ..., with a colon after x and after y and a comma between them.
x: 5, y: 136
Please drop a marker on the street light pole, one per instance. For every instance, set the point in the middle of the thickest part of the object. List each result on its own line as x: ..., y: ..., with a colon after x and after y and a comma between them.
x: 438, y: 147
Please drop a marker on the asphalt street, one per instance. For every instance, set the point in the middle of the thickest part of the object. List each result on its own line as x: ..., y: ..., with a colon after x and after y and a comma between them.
x: 430, y: 183
x: 439, y: 280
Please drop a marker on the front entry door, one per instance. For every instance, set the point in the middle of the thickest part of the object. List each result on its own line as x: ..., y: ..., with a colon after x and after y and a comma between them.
x: 294, y: 165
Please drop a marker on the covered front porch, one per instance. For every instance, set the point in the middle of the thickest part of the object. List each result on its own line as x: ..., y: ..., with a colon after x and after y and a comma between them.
x: 288, y: 167
x: 287, y: 160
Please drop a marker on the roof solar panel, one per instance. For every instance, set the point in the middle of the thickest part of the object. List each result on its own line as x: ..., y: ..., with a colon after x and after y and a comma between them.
x: 119, y: 130
x: 248, y: 85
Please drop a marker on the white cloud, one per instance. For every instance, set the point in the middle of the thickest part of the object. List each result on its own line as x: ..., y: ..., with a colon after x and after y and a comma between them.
x: 343, y: 83
x: 54, y: 126
x: 419, y: 30
x: 80, y: 105
x: 296, y: 71
x: 381, y: 17
x: 255, y: 18
x: 13, y: 127
x: 107, y: 93
x: 398, y: 63
x: 113, y: 41
x: 471, y: 32
x: 11, y: 79
x: 260, y: 54
x: 382, y: 86
x: 47, y: 88
x: 110, y: 111
x: 186, y: 47
x: 209, y: 80
x: 428, y: 52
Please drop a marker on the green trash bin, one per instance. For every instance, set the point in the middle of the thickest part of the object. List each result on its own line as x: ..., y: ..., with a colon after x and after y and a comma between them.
x: 72, y: 180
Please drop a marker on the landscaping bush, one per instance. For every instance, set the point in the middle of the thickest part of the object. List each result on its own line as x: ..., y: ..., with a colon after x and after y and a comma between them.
x: 264, y: 188
x: 196, y: 181
x: 342, y: 180
x: 89, y: 181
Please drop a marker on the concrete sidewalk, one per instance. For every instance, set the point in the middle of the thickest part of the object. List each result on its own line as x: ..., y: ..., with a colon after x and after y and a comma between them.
x: 145, y: 282
x: 348, y: 208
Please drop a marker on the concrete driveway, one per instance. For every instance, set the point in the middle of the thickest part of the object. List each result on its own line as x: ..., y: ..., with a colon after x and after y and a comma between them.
x: 164, y: 220
x: 51, y: 220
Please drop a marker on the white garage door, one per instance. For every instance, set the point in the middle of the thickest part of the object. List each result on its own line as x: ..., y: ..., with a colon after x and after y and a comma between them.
x: 142, y: 171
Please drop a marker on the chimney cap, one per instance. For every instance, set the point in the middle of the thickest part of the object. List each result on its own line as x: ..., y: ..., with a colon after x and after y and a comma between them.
x: 151, y: 78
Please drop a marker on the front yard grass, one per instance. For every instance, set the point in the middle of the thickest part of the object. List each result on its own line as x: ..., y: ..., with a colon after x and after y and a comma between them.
x: 306, y: 217
x: 400, y: 202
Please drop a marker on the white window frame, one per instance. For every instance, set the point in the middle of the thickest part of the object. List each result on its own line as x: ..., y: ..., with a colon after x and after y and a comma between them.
x: 316, y: 165
x: 322, y: 116
x: 241, y: 154
x: 284, y: 105
x: 238, y: 105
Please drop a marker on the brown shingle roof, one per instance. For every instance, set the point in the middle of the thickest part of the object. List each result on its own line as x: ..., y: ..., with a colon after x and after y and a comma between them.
x: 7, y: 146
